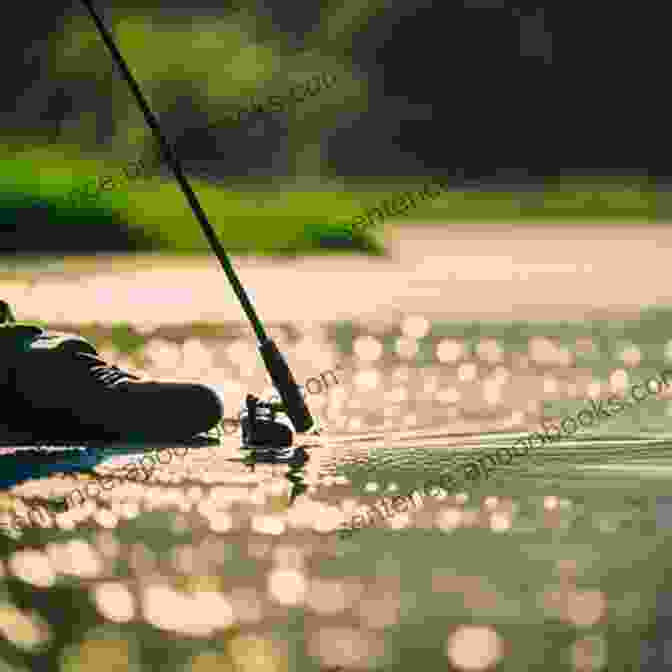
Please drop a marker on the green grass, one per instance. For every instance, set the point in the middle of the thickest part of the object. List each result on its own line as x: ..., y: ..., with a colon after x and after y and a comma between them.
x: 151, y: 213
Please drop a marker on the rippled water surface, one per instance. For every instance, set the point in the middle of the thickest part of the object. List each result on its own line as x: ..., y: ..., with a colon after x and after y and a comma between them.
x: 220, y: 563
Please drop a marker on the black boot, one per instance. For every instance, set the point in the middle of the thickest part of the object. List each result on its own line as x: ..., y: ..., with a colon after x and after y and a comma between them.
x: 61, y: 389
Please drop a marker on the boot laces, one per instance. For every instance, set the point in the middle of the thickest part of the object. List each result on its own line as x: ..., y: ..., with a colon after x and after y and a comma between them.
x: 107, y: 374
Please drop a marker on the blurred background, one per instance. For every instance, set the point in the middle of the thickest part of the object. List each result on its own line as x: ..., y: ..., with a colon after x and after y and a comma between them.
x: 529, y: 112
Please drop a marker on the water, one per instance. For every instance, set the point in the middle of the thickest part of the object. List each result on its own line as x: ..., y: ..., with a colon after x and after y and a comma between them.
x: 557, y: 560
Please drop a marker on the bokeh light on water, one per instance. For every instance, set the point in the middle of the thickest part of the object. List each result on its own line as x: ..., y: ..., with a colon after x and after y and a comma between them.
x: 217, y: 563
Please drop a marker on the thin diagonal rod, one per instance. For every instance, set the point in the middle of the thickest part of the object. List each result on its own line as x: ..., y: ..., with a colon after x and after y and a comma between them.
x: 174, y: 162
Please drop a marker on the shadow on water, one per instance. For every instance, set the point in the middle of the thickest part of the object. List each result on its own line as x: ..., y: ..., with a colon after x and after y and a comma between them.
x: 30, y: 462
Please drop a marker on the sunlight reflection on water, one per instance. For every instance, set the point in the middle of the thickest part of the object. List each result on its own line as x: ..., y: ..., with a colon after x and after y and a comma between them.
x: 212, y: 548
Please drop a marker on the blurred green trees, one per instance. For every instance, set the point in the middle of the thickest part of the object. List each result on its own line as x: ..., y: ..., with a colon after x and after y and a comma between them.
x: 194, y: 72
